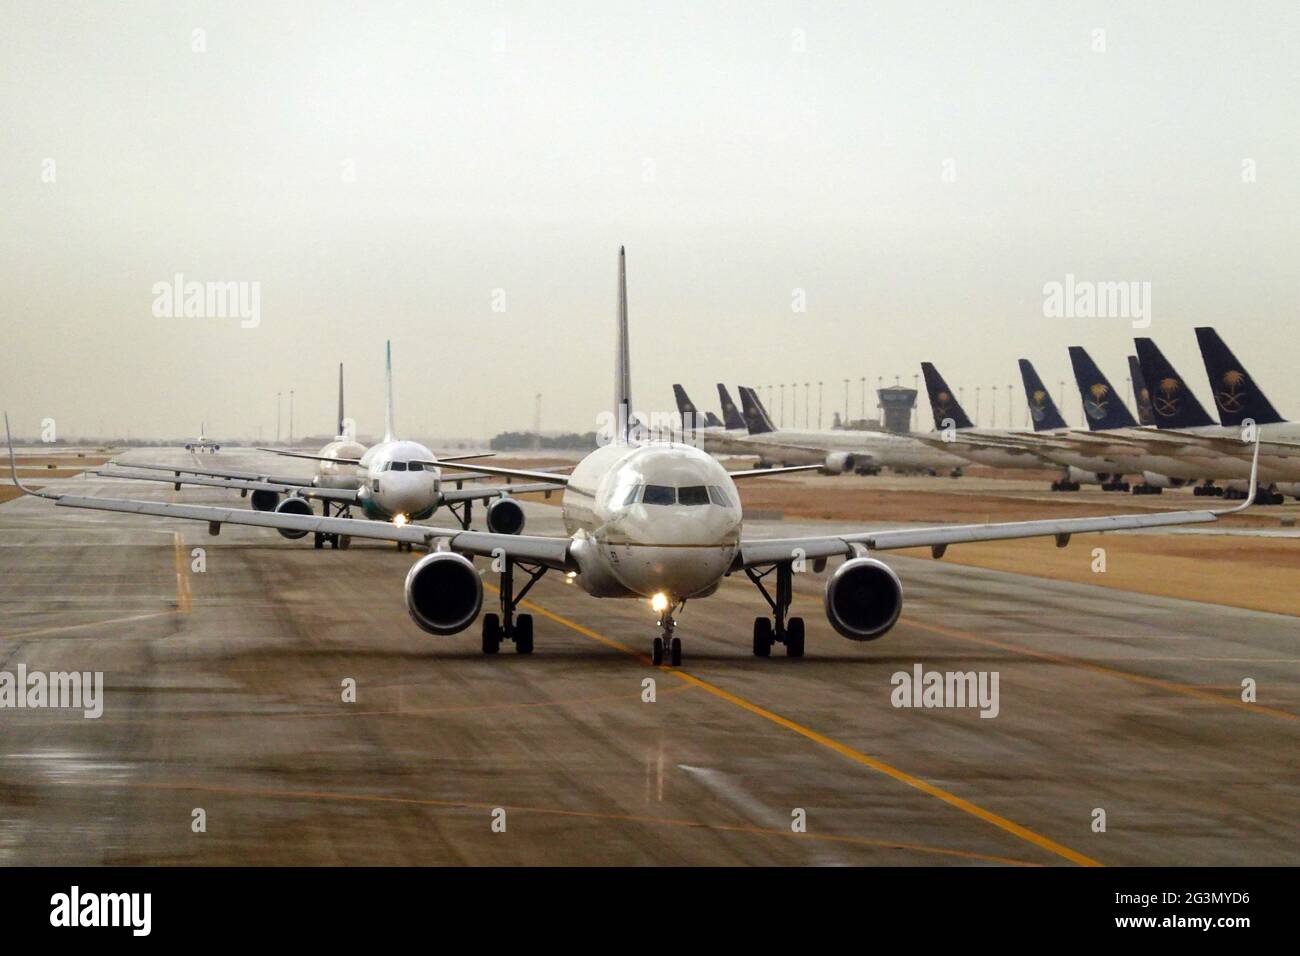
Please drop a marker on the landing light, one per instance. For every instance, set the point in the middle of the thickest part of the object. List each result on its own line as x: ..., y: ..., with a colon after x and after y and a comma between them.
x: 400, y: 520
x: 659, y: 603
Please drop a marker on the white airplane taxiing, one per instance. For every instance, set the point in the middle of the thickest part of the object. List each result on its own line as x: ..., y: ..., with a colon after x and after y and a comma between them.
x: 654, y: 521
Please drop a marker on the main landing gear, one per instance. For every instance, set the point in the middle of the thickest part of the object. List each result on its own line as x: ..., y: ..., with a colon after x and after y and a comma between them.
x: 462, y: 512
x: 509, y: 626
x: 767, y: 631
x: 339, y: 542
x: 672, y: 645
x: 1209, y: 489
x: 1065, y: 485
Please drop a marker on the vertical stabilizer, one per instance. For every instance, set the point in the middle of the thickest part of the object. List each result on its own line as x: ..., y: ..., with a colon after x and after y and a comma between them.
x: 1042, y: 409
x: 340, y: 431
x: 1172, y: 400
x: 1235, y: 393
x: 948, y: 412
x: 388, y: 391
x: 622, y: 370
x: 1103, y: 408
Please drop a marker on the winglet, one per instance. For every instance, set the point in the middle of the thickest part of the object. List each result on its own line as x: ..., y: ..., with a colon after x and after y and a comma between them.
x: 1254, y: 482
x: 13, y: 467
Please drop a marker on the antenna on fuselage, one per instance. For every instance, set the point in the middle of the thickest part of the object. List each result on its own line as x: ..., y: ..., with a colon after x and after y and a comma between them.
x: 388, y: 391
x: 622, y: 371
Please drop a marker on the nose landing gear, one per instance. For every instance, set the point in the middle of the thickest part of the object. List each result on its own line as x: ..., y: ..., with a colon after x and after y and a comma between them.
x: 672, y: 645
x: 778, y: 628
x: 509, y: 626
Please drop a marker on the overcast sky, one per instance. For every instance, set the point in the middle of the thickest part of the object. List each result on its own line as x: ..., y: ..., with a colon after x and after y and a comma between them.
x: 914, y: 172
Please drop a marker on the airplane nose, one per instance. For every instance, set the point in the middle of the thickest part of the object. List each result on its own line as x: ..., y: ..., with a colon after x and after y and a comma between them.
x: 678, y: 571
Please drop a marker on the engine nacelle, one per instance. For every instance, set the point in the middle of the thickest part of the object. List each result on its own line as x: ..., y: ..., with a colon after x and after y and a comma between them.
x: 292, y: 506
x: 838, y: 463
x: 1081, y: 477
x: 443, y: 593
x: 505, y: 516
x: 264, y: 499
x: 1162, y: 481
x: 863, y: 599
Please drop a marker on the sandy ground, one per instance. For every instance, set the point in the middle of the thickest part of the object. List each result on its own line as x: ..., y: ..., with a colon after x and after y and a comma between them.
x: 1261, y: 574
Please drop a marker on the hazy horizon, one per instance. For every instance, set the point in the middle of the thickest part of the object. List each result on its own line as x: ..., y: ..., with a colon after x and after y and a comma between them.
x: 914, y: 174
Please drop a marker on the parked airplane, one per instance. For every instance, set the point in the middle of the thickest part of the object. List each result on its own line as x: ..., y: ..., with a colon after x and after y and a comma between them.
x: 393, y: 480
x: 656, y: 521
x: 840, y: 450
x: 958, y: 435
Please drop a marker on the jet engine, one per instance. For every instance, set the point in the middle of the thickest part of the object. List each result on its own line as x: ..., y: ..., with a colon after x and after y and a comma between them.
x: 863, y: 599
x: 443, y: 593
x: 838, y: 463
x: 505, y: 516
x: 292, y: 506
x: 264, y: 499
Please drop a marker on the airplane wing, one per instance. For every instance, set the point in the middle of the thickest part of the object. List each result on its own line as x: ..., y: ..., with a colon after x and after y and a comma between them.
x: 494, y: 491
x: 357, y: 461
x: 216, y: 473
x: 545, y: 476
x: 344, y: 495
x: 762, y: 472
x: 757, y: 553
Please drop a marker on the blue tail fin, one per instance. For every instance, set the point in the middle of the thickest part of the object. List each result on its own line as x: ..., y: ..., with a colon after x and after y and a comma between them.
x: 730, y: 414
x: 1103, y: 408
x: 948, y: 412
x: 1141, y: 394
x: 1042, y: 409
x: 1233, y: 390
x: 1172, y: 401
x: 756, y: 419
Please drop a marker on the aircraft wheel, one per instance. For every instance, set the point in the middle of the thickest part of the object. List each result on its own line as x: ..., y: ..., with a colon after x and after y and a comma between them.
x: 794, y: 638
x: 345, y: 542
x: 491, y: 633
x: 319, y: 541
x: 657, y: 651
x: 762, y: 637
x: 524, y: 634
x: 675, y: 652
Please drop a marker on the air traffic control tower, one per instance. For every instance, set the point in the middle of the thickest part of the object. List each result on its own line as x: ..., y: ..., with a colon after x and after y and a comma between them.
x: 897, y: 403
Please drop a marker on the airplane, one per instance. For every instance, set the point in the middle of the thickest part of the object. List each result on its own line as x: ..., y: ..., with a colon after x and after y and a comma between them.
x: 394, y: 480
x: 1100, y: 454
x: 656, y: 521
x: 1180, y: 417
x: 955, y: 433
x: 202, y: 443
x: 840, y: 450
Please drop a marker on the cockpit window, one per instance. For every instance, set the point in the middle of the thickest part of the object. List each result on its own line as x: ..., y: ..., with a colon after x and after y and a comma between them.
x: 719, y: 497
x: 416, y: 465
x: 693, y: 495
x: 633, y: 494
x: 399, y: 466
x: 659, y: 495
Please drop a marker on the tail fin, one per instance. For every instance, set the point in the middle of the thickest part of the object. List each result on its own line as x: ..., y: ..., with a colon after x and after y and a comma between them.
x: 730, y: 414
x: 691, y: 417
x: 1103, y: 409
x: 1233, y: 390
x: 388, y: 391
x: 1172, y: 401
x: 762, y: 409
x: 1141, y: 395
x: 1042, y: 409
x: 622, y: 369
x: 340, y: 431
x: 943, y: 403
x: 712, y: 421
x: 756, y: 419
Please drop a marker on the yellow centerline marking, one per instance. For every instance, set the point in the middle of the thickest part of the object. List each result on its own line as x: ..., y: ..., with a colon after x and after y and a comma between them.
x: 1186, y: 690
x: 583, y: 814
x: 1002, y: 823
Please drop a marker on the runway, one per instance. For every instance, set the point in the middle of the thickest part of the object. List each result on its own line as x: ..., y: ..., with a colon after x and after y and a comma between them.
x: 224, y: 693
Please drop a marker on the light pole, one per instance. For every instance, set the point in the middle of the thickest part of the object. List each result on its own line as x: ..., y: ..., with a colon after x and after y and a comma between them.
x: 1009, y: 411
x: 781, y: 417
x: 977, y: 406
x: 916, y: 387
x: 277, y: 418
x: 864, y: 397
x: 290, y: 416
x: 845, y: 423
x: 807, y: 400
x: 819, y: 406
x: 993, y: 411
